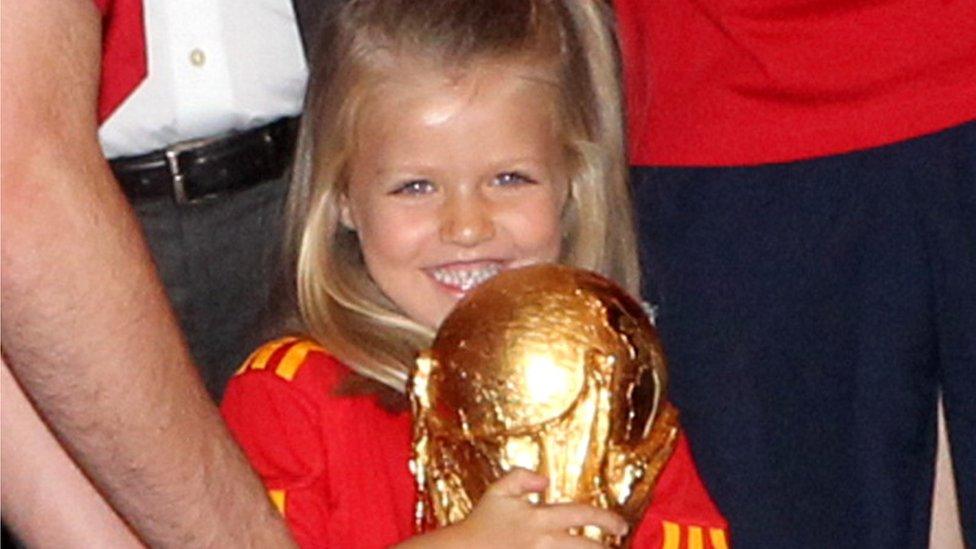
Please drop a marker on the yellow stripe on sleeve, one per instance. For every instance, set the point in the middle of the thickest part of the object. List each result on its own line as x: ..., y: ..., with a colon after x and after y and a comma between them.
x: 260, y: 360
x: 672, y: 535
x: 294, y: 358
x: 278, y: 498
x: 695, y: 540
x: 718, y: 538
x: 247, y: 361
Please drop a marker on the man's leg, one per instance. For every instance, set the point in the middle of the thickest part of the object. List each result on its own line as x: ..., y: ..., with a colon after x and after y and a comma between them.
x: 797, y: 309
x: 217, y: 260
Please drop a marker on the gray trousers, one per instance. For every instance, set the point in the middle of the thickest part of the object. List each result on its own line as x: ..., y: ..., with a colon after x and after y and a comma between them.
x: 217, y: 259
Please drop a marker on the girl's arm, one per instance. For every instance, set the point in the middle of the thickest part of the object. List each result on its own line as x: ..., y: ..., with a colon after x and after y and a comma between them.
x: 278, y: 423
x: 681, y: 513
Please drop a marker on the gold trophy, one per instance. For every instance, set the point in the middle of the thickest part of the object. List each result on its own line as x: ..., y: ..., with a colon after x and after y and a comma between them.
x: 550, y: 368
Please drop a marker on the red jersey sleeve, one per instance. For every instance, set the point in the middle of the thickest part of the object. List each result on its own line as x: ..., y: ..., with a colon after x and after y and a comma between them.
x: 681, y: 513
x: 273, y: 413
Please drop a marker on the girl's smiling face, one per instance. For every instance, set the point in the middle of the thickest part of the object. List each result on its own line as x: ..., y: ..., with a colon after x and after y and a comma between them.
x: 454, y: 180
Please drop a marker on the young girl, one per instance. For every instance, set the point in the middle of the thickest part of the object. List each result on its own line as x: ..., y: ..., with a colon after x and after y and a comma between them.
x: 443, y: 143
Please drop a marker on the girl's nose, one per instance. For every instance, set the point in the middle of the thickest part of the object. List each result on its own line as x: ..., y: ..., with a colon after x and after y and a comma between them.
x: 467, y: 221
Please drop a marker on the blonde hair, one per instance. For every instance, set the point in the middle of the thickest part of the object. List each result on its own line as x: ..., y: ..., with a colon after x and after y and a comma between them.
x: 341, y: 307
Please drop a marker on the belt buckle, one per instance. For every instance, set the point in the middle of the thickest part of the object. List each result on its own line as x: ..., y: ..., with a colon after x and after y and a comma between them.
x: 172, y: 154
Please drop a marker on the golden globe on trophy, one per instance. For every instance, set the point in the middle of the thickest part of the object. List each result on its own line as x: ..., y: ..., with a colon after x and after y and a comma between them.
x: 550, y: 368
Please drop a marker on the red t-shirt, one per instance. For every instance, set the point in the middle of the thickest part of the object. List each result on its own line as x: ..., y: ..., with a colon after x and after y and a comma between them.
x: 337, y: 466
x: 738, y: 82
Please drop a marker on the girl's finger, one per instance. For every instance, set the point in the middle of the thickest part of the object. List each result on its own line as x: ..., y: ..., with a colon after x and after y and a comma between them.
x: 562, y: 516
x: 570, y: 541
x: 516, y: 483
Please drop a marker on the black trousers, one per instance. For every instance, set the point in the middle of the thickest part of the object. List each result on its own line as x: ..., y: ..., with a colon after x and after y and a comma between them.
x: 217, y: 260
x: 812, y: 311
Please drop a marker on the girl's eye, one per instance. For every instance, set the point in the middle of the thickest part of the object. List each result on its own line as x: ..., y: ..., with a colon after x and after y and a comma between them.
x: 414, y: 186
x: 512, y: 178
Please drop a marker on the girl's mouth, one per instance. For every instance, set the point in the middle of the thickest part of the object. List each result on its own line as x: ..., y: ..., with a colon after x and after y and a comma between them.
x: 463, y: 277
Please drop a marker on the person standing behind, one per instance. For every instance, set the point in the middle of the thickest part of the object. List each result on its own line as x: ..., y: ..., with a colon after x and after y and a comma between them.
x: 805, y: 178
x: 197, y: 107
x: 87, y: 330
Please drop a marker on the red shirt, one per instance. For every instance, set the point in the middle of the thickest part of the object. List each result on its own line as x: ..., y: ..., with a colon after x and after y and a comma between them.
x: 737, y: 82
x: 337, y: 466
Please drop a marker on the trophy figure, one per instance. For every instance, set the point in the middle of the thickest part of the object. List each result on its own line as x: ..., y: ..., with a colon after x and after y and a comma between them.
x: 550, y: 368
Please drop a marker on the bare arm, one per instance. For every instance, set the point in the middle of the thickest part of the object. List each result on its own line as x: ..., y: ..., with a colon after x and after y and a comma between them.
x: 946, y: 527
x: 86, y: 328
x: 46, y: 498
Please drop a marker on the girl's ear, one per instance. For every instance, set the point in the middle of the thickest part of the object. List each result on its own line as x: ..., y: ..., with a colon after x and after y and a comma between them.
x: 345, y: 213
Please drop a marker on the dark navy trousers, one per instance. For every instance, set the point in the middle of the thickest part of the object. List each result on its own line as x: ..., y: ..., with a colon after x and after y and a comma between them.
x: 812, y: 312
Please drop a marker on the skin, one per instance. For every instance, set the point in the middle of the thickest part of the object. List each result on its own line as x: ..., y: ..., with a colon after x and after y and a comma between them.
x: 525, y: 525
x: 455, y: 175
x: 42, y: 486
x: 86, y: 328
x: 946, y: 527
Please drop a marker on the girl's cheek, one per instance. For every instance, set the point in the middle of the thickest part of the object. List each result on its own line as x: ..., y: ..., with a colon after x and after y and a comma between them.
x: 539, y: 228
x: 395, y: 230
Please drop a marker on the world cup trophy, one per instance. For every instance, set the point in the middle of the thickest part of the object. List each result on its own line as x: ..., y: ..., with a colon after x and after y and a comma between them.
x: 549, y: 368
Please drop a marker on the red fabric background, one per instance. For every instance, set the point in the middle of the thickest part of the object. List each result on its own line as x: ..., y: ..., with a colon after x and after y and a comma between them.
x: 738, y: 82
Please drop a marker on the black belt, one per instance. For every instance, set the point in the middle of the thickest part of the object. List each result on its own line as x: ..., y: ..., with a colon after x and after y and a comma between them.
x: 195, y: 170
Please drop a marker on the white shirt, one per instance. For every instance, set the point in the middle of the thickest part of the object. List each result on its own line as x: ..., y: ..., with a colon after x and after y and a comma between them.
x: 214, y: 67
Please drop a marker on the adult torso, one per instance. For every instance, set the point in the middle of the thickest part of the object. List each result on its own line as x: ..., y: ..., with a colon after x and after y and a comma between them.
x: 734, y: 82
x: 179, y: 70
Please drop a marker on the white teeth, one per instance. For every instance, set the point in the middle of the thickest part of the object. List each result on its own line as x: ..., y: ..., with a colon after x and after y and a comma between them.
x: 466, y: 279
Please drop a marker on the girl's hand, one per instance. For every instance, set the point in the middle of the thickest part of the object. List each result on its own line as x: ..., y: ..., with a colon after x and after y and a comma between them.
x: 505, y: 518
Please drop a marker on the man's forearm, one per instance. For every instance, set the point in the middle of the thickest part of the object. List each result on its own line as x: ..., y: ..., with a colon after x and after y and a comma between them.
x: 89, y: 334
x: 86, y: 327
